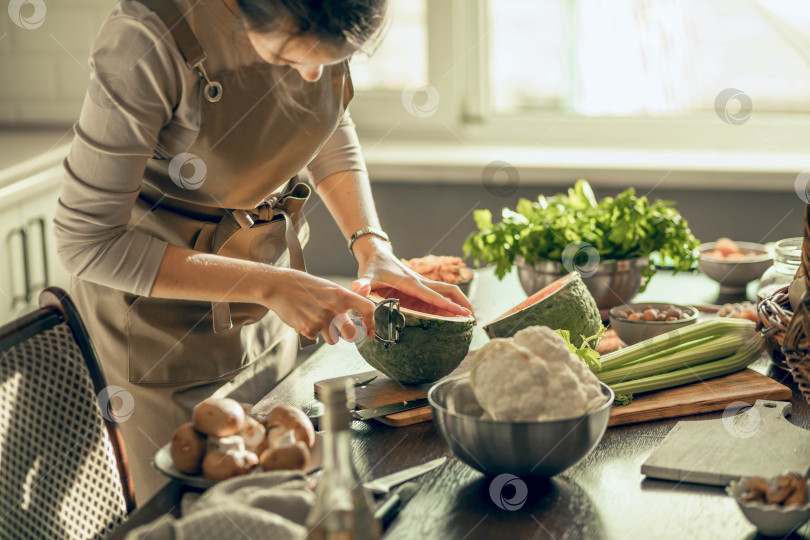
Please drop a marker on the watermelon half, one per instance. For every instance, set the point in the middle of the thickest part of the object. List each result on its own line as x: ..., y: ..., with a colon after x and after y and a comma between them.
x: 565, y: 304
x: 432, y: 343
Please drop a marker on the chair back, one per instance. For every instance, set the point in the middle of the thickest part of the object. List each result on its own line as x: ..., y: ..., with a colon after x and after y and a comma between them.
x: 63, y: 469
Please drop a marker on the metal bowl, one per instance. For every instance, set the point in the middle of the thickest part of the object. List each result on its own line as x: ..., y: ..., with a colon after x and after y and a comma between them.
x: 613, y: 283
x: 539, y: 449
x: 634, y: 331
x: 733, y: 276
x: 466, y: 286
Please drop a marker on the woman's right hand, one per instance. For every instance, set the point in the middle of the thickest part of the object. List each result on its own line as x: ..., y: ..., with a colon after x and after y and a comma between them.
x: 310, y: 305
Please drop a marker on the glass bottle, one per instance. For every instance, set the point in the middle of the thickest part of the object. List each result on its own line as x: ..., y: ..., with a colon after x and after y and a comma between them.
x: 787, y: 257
x: 344, y: 509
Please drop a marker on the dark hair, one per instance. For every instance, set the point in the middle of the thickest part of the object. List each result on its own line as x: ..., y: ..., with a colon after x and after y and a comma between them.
x: 356, y: 25
x: 340, y: 24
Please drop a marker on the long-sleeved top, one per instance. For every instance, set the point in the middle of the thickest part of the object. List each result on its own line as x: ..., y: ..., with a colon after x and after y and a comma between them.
x: 151, y: 107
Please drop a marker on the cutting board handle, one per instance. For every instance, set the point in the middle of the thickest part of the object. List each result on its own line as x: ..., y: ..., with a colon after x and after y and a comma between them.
x: 775, y: 410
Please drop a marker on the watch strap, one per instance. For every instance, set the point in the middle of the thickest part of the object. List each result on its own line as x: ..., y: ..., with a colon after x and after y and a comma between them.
x: 364, y: 231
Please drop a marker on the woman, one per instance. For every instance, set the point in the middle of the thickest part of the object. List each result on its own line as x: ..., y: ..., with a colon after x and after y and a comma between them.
x: 181, y: 208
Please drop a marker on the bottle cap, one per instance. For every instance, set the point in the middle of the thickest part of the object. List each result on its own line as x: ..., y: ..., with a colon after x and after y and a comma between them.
x: 338, y: 398
x: 338, y: 393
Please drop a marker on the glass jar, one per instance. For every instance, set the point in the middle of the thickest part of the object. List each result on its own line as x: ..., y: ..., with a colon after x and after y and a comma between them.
x: 787, y: 257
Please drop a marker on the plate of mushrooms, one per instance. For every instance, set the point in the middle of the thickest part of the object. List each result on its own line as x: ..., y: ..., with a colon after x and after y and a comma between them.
x: 224, y: 440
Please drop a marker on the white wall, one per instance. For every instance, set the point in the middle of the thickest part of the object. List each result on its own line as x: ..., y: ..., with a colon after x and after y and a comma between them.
x: 43, y: 70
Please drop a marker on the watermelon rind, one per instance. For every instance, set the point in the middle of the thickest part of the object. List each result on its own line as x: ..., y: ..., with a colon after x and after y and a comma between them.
x: 571, y: 307
x: 430, y: 347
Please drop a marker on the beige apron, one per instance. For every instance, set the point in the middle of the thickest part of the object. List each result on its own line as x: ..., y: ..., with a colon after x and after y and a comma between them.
x: 170, y: 354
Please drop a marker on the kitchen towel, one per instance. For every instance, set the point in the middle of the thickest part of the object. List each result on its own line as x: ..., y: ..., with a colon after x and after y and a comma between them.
x: 228, y: 510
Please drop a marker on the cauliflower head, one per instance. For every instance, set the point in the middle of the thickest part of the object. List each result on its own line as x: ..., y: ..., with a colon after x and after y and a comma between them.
x: 533, y: 376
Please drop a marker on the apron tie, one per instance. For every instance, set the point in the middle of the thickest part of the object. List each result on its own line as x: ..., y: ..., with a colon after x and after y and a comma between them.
x: 287, y: 205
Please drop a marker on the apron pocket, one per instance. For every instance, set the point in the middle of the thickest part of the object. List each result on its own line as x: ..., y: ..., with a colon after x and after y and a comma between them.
x: 265, y: 242
x: 172, y: 342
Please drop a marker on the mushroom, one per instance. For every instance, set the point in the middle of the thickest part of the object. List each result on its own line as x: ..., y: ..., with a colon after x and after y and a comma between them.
x: 232, y: 443
x: 223, y: 465
x: 287, y: 457
x: 187, y: 449
x: 292, y: 418
x: 219, y: 417
x: 253, y: 432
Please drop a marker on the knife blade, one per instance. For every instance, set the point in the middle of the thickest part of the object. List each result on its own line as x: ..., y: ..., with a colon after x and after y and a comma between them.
x: 383, y: 484
x: 385, y: 410
x: 376, y: 412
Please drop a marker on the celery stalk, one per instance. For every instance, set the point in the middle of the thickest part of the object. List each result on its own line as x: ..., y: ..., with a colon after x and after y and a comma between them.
x: 720, y: 347
x: 675, y: 338
x: 666, y: 352
x: 724, y: 366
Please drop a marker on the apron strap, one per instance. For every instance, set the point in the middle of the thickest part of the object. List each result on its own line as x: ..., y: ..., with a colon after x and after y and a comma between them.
x: 175, y: 21
x: 187, y: 43
x: 297, y: 262
x: 291, y: 203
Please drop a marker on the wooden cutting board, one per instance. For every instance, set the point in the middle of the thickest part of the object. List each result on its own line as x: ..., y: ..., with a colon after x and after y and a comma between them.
x: 758, y: 442
x: 384, y: 391
x: 745, y: 386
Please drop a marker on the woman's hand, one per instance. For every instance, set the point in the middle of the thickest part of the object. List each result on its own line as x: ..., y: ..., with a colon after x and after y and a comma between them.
x: 379, y: 266
x: 311, y: 305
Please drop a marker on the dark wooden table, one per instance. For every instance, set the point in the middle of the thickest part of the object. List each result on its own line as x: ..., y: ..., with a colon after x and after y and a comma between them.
x: 603, y: 496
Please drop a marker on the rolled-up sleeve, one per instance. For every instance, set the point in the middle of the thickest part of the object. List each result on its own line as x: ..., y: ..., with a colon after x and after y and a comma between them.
x: 340, y: 153
x: 131, y: 95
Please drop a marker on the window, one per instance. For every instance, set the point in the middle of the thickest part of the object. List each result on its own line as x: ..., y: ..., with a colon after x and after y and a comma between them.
x: 682, y: 76
x: 529, y: 62
x: 654, y: 57
x: 402, y: 57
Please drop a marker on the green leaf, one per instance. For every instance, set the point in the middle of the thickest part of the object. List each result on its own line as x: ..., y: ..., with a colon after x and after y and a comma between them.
x: 364, y: 383
x: 623, y: 399
x: 583, y: 195
x: 483, y: 219
x: 526, y: 208
x: 585, y: 352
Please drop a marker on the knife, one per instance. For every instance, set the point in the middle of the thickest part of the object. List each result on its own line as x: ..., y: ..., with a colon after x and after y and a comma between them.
x: 376, y: 412
x: 388, y: 509
x: 385, y: 410
x: 383, y: 484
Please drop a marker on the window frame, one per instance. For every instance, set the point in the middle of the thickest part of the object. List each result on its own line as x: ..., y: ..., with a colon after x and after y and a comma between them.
x: 768, y: 148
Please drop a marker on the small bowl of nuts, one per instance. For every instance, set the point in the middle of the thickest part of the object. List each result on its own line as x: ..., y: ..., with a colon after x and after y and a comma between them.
x: 776, y: 506
x: 639, y: 322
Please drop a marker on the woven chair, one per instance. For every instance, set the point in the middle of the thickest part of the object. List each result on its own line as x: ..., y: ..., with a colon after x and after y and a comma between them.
x: 63, y: 469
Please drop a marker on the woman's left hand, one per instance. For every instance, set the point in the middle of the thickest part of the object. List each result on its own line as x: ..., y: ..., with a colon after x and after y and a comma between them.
x: 380, y: 267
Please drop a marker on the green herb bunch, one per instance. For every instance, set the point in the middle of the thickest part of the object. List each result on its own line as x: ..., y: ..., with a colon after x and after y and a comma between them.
x: 624, y: 227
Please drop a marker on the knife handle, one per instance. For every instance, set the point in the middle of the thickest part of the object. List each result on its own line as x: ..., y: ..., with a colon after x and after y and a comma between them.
x: 388, y: 509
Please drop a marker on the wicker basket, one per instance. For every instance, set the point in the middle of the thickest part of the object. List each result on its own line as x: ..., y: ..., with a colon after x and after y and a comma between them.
x: 774, y: 316
x: 796, y: 345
